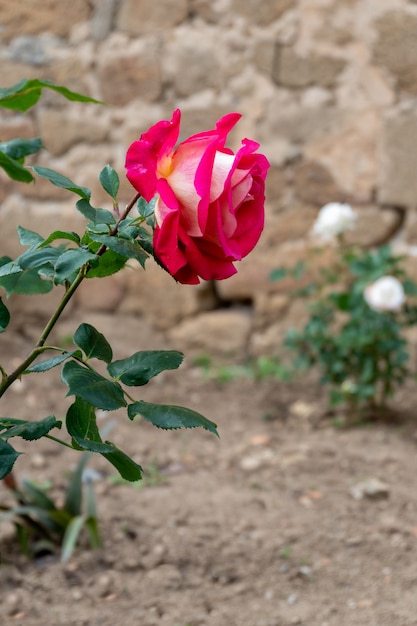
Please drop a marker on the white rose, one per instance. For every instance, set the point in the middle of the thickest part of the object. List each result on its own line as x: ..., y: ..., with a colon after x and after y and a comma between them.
x: 334, y: 219
x: 385, y: 294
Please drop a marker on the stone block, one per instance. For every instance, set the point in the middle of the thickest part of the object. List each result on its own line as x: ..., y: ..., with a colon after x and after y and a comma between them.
x: 262, y: 13
x: 154, y: 294
x: 220, y: 333
x: 148, y: 16
x: 314, y: 184
x: 397, y: 176
x: 102, y: 21
x: 395, y: 48
x: 70, y: 72
x: 38, y: 16
x: 127, y: 76
x: 292, y: 70
x: 192, y: 61
x: 60, y: 129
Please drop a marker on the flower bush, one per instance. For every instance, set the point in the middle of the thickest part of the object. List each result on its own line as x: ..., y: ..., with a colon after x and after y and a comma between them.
x: 197, y: 209
x: 359, y: 309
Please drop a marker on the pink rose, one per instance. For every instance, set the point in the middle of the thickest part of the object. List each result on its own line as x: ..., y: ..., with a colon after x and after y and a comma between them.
x: 210, y: 207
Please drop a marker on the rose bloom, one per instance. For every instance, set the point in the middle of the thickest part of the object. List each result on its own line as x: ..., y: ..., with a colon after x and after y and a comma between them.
x: 334, y: 219
x: 210, y: 207
x: 385, y: 294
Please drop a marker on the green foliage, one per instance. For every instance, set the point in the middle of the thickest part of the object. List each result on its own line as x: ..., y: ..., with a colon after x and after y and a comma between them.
x: 42, y: 524
x: 361, y: 353
x: 64, y: 259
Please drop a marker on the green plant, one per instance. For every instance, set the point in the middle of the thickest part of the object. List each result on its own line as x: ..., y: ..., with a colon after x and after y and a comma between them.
x: 41, y: 524
x: 190, y: 239
x: 360, y: 350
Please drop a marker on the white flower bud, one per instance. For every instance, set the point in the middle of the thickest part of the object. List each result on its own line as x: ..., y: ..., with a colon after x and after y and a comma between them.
x: 385, y: 294
x: 334, y: 219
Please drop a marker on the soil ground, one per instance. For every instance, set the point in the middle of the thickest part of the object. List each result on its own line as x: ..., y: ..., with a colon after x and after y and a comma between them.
x: 266, y: 526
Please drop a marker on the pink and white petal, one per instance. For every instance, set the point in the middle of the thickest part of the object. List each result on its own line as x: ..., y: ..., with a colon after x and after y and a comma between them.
x: 142, y: 156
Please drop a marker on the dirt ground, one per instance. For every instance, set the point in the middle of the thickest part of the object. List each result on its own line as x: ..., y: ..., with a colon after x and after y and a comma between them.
x: 281, y: 521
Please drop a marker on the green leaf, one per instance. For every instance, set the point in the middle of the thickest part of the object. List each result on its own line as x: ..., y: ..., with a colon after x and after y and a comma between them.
x: 48, y: 364
x: 168, y: 416
x: 8, y: 456
x: 73, y: 496
x: 28, y: 237
x: 37, y: 258
x: 26, y: 282
x: 70, y: 538
x: 4, y: 316
x: 20, y: 148
x: 96, y: 216
x: 70, y: 262
x: 109, y: 180
x: 28, y: 430
x: 278, y: 274
x: 61, y: 234
x: 127, y: 468
x: 37, y: 496
x: 14, y: 169
x: 139, y: 368
x: 93, y: 387
x: 26, y: 93
x: 82, y: 426
x: 108, y: 263
x: 61, y: 181
x: 7, y: 266
x: 146, y: 209
x: 93, y: 343
x: 128, y: 249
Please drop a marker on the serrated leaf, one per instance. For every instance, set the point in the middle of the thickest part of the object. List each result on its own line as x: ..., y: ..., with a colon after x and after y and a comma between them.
x: 27, y: 282
x: 4, y: 316
x: 168, y: 416
x: 8, y: 456
x: 61, y: 234
x: 37, y: 257
x: 70, y: 262
x: 82, y: 426
x: 7, y: 266
x: 93, y: 343
x: 20, y: 148
x: 59, y: 180
x: 28, y: 430
x: 139, y: 368
x: 109, y: 180
x: 127, y: 468
x: 108, y: 263
x: 26, y: 93
x: 48, y: 364
x: 92, y: 387
x: 96, y: 216
x: 14, y: 169
x: 127, y: 249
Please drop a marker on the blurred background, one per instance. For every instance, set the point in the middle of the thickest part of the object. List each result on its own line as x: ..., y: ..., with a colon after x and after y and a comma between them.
x: 327, y: 87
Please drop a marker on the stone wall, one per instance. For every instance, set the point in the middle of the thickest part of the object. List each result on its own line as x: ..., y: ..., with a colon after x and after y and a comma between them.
x: 327, y: 87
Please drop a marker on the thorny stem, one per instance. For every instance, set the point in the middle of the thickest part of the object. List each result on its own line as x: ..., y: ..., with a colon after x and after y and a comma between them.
x: 9, y: 380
